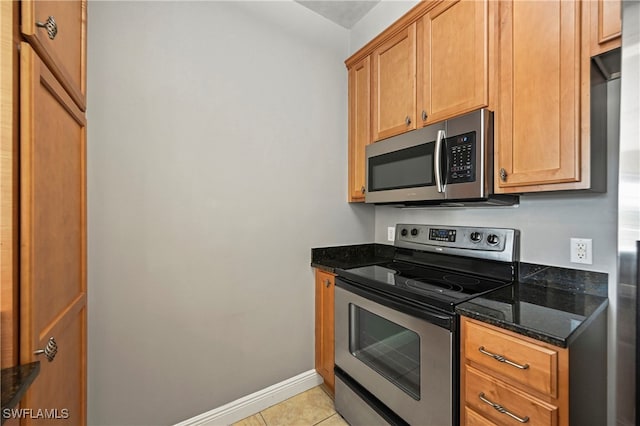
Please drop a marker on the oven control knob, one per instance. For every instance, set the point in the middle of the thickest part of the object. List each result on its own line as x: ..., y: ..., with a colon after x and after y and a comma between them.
x: 493, y: 239
x: 414, y: 232
x: 404, y: 232
x: 476, y: 237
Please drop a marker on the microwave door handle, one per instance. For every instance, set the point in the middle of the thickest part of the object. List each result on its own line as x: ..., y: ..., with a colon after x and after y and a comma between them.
x: 436, y: 161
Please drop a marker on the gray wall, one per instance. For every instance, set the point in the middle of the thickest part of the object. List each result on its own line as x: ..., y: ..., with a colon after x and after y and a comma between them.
x: 217, y: 159
x: 546, y: 221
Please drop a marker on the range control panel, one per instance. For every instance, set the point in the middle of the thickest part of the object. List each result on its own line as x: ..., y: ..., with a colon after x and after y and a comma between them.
x: 485, y: 243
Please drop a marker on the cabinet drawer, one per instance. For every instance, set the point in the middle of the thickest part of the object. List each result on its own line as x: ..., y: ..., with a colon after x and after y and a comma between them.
x: 487, y: 395
x: 475, y: 419
x: 533, y: 366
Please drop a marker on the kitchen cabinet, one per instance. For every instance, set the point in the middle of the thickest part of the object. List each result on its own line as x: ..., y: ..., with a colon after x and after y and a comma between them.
x: 606, y: 25
x: 394, y: 85
x: 453, y: 55
x: 53, y: 294
x: 325, y: 285
x: 359, y: 126
x: 426, y: 67
x: 57, y: 32
x: 507, y: 378
x: 43, y: 127
x: 542, y: 121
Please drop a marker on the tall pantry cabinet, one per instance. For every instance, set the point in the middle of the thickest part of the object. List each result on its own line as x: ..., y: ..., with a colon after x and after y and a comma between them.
x: 44, y: 276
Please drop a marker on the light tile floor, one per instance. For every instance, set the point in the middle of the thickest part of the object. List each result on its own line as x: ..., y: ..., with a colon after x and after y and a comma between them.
x: 311, y: 408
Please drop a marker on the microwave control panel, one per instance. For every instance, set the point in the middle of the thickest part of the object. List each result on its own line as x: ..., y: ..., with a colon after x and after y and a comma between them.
x: 461, y: 154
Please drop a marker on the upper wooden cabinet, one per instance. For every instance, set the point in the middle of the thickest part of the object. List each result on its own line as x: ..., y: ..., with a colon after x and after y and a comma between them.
x: 394, y: 85
x: 453, y: 52
x: 359, y: 125
x: 606, y: 25
x: 538, y: 138
x: 57, y: 32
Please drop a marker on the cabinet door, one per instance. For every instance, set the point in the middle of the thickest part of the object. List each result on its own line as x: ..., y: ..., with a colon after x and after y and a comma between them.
x: 394, y: 85
x: 359, y: 126
x: 454, y: 60
x: 53, y: 292
x: 606, y: 25
x: 325, y: 342
x: 65, y: 51
x: 538, y: 135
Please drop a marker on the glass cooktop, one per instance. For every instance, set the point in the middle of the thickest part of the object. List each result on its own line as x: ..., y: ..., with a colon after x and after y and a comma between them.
x: 428, y: 285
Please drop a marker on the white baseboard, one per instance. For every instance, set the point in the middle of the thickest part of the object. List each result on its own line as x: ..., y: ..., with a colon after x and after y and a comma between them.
x: 256, y: 402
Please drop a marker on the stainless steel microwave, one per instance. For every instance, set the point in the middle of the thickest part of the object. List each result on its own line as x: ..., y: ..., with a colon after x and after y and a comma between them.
x: 446, y: 163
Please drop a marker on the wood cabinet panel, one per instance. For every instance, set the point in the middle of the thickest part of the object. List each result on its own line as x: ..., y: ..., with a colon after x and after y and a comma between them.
x: 52, y: 237
x: 359, y: 126
x: 541, y: 372
x: 539, y: 119
x: 606, y: 25
x: 454, y: 44
x: 394, y: 85
x: 65, y: 54
x: 325, y: 341
x: 482, y: 390
x: 475, y: 419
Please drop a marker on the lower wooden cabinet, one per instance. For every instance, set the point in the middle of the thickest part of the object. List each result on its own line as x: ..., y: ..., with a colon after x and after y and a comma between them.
x: 325, y: 284
x: 510, y: 379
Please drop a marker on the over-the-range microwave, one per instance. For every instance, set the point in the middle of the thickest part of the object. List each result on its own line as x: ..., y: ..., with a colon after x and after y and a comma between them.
x: 446, y: 163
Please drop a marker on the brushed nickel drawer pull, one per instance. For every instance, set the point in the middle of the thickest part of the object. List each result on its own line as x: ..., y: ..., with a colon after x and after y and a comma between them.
x: 50, y: 25
x: 50, y: 350
x: 327, y: 283
x: 503, y: 359
x: 502, y: 410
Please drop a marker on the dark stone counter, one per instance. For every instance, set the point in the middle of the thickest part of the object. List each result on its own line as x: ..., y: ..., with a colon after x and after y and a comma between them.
x: 553, y: 305
x: 547, y: 303
x: 15, y: 382
x: 353, y: 256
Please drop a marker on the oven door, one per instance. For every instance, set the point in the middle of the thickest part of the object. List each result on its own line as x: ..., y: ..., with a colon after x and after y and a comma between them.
x: 404, y: 361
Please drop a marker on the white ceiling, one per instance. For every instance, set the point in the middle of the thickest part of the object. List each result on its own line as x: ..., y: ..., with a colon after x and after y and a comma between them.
x: 343, y: 12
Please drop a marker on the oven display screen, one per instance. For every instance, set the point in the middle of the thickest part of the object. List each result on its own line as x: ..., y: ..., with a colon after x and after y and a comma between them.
x: 442, y: 235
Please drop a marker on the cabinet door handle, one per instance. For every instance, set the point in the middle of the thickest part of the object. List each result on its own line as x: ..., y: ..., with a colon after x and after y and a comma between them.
x: 424, y: 115
x: 50, y: 350
x: 503, y: 175
x: 502, y: 410
x: 407, y: 120
x: 327, y: 282
x: 503, y: 359
x: 363, y: 189
x: 50, y: 25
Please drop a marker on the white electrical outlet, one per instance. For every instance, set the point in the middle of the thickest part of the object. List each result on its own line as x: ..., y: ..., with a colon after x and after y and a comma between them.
x: 391, y: 233
x: 581, y: 250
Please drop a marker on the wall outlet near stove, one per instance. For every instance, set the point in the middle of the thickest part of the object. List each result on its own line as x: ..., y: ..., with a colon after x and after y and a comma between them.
x: 581, y: 250
x: 391, y: 233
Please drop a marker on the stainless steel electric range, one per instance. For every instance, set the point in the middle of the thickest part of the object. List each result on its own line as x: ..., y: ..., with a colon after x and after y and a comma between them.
x: 396, y: 330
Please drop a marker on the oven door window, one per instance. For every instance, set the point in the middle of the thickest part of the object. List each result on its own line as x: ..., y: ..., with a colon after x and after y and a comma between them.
x: 406, y: 168
x: 388, y: 348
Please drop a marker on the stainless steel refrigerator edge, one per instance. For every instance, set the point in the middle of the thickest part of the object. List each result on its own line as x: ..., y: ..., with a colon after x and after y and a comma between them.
x: 627, y: 383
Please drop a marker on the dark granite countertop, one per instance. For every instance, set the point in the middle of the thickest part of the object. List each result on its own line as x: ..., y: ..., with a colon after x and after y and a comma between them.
x: 15, y: 382
x: 547, y: 303
x: 351, y: 256
x: 553, y: 305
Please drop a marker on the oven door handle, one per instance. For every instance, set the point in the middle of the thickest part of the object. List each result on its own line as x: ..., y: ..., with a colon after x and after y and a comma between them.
x: 441, y: 320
